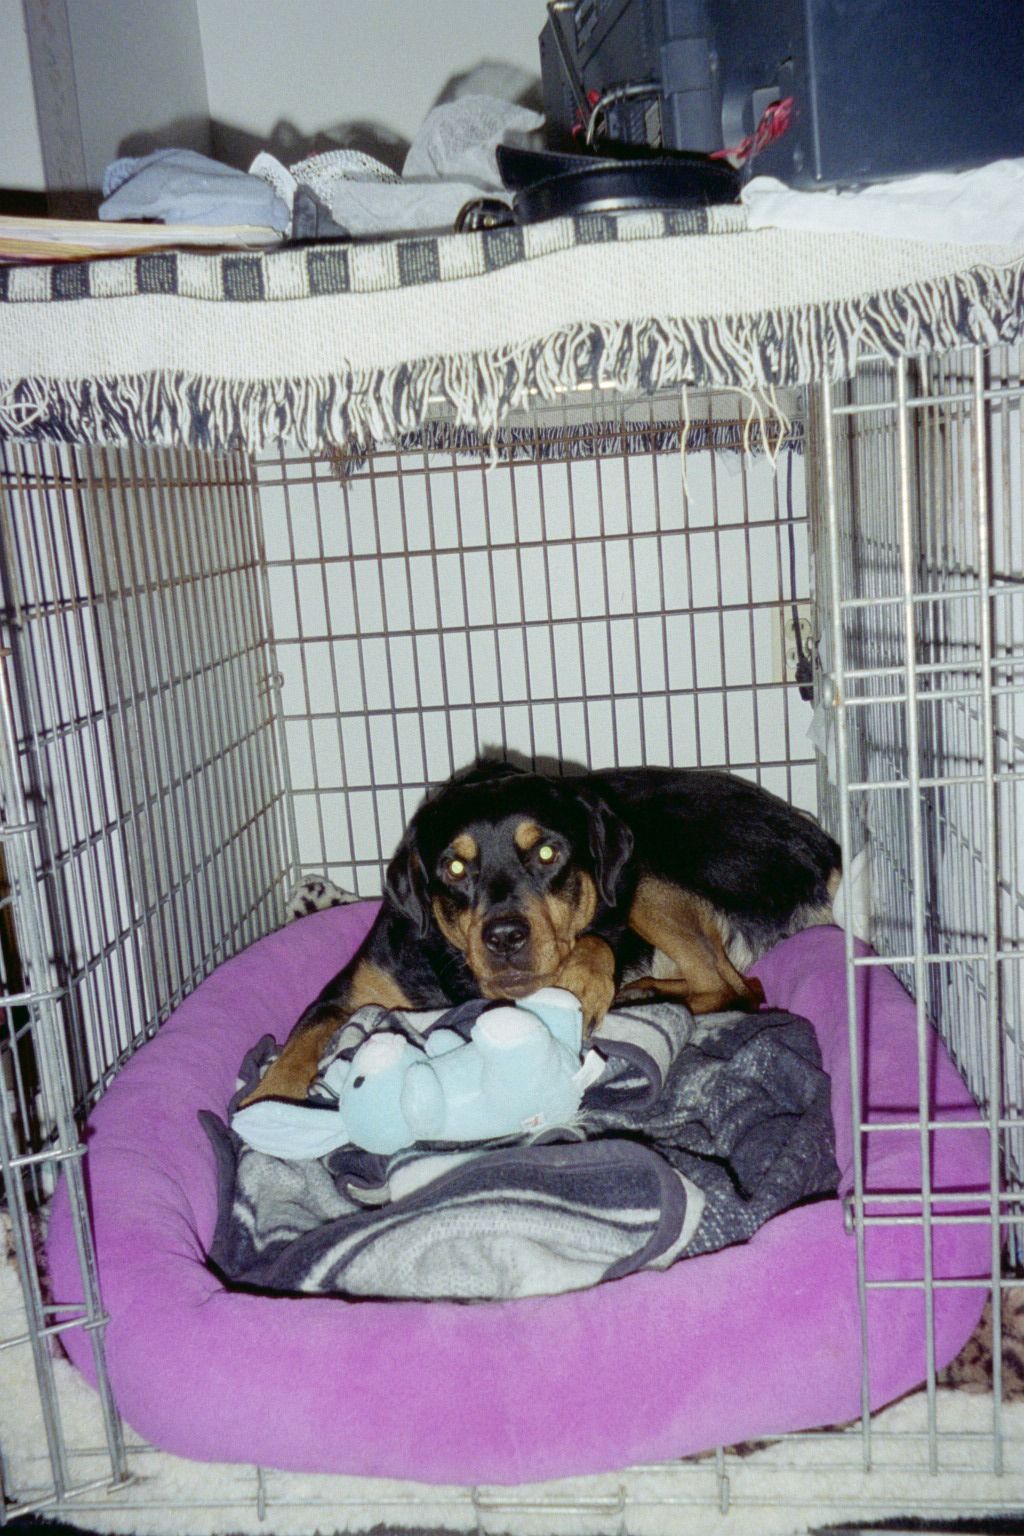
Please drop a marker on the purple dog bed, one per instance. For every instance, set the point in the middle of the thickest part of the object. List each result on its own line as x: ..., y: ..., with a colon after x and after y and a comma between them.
x: 750, y: 1341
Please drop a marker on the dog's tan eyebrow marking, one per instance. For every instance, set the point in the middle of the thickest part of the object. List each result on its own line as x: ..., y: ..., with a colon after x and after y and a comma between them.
x: 464, y: 847
x: 527, y: 835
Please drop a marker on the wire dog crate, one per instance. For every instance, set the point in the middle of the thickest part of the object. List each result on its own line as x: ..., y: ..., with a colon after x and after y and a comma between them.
x: 223, y: 674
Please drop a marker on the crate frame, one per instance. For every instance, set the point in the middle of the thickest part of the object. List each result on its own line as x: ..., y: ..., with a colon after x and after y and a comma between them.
x: 968, y: 388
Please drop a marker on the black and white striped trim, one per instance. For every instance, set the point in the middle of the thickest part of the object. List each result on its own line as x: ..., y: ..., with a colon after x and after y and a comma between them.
x: 319, y: 271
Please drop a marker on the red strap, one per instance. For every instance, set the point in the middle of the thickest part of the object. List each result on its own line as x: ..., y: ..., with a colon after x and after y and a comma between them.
x: 775, y: 119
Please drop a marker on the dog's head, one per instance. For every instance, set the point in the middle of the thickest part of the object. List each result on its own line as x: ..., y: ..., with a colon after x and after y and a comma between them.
x: 511, y: 867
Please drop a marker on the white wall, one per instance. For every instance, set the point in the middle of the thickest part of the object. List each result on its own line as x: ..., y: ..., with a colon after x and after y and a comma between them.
x: 316, y: 64
x: 283, y: 76
x: 21, y: 159
x: 111, y: 77
x: 139, y: 76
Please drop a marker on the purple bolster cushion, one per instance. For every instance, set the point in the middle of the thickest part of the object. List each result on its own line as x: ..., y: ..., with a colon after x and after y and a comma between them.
x: 748, y: 1342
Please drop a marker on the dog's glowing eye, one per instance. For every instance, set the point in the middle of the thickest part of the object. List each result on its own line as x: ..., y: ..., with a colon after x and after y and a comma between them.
x: 456, y: 868
x: 546, y: 853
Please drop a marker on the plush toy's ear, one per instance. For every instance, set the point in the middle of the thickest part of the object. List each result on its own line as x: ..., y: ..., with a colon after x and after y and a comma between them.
x: 405, y: 884
x: 611, y: 843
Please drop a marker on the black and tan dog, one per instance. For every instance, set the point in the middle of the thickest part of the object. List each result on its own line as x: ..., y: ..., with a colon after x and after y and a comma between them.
x: 630, y: 882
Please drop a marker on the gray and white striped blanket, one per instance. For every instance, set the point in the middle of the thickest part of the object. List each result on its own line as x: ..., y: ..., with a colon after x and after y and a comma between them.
x: 698, y: 1132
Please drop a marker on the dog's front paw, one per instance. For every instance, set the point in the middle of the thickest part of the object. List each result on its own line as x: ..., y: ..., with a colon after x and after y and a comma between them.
x: 596, y: 1001
x: 589, y: 975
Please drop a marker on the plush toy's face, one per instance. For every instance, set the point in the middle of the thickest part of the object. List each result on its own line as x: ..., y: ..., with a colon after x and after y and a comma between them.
x: 511, y: 868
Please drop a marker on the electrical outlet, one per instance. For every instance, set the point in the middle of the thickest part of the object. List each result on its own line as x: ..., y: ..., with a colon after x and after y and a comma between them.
x: 792, y: 620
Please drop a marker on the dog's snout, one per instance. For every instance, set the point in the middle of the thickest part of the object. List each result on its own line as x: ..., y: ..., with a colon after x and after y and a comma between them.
x: 505, y: 935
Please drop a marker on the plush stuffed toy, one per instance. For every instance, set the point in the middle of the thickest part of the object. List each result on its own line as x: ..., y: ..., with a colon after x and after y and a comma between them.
x: 519, y: 1071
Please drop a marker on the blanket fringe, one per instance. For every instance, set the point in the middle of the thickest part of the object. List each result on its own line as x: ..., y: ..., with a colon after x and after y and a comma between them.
x: 350, y: 411
x: 600, y: 437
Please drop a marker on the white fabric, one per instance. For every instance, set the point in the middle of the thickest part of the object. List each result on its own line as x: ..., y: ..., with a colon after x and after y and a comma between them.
x: 459, y: 138
x: 620, y: 282
x: 545, y: 312
x: 948, y: 207
x: 450, y: 162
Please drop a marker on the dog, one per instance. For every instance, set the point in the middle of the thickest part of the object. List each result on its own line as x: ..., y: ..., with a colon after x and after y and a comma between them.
x: 626, y: 884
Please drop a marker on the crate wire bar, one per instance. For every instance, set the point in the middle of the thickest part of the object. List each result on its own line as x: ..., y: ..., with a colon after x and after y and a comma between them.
x: 149, y: 729
x: 926, y: 626
x: 223, y: 674
x: 139, y: 804
x: 600, y: 609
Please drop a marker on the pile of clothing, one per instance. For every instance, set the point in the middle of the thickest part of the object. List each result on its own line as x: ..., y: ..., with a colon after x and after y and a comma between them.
x: 340, y: 193
x: 696, y: 1132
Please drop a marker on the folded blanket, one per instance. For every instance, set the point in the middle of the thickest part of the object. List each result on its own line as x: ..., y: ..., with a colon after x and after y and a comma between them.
x: 698, y: 1132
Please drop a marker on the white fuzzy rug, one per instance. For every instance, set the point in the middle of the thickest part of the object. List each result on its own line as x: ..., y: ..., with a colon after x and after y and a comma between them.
x: 793, y: 1485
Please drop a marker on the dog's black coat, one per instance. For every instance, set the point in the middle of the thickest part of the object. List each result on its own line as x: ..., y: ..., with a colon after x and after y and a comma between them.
x: 753, y: 858
x: 507, y: 880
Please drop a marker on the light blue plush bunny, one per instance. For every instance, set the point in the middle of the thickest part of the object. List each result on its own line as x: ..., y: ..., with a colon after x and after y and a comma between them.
x: 519, y: 1071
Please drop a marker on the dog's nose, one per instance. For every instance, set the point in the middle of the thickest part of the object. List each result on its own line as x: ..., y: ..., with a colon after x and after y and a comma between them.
x: 505, y: 936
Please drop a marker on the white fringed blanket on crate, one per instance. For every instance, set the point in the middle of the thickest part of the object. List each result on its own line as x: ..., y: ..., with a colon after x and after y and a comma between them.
x: 338, y: 345
x: 333, y: 346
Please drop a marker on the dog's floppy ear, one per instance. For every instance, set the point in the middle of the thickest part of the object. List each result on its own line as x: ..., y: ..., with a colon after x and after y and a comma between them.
x: 405, y: 883
x: 611, y: 843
